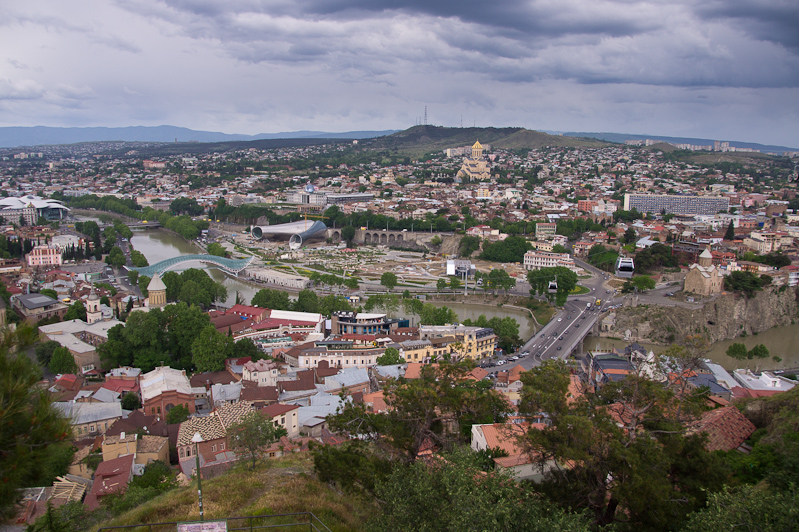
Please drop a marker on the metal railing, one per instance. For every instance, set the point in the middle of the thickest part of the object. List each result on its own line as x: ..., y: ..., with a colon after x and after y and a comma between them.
x: 293, y: 522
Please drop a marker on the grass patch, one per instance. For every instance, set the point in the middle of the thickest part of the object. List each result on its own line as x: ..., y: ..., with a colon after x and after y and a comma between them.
x: 579, y: 290
x: 283, y: 485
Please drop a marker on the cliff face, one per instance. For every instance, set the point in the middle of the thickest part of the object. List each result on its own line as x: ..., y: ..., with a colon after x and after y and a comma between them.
x: 726, y: 317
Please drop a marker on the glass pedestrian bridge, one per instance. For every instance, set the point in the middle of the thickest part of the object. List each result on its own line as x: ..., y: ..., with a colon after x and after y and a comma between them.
x: 233, y: 266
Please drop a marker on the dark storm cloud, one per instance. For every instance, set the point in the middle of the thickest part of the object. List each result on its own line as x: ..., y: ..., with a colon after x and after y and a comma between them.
x: 591, y: 42
x: 775, y: 21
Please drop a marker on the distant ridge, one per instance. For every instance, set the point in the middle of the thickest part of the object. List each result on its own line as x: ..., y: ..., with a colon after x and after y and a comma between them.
x: 621, y: 137
x: 12, y: 137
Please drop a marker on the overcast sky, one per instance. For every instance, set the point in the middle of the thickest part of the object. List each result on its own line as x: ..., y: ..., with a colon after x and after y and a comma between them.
x: 719, y: 69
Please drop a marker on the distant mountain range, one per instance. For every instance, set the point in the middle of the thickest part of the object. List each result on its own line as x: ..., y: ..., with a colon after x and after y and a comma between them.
x: 621, y: 137
x: 11, y: 137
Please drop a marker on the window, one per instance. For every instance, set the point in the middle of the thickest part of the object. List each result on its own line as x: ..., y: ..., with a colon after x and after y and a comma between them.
x: 91, y: 428
x: 182, y: 453
x: 283, y: 421
x: 213, y: 448
x: 222, y: 446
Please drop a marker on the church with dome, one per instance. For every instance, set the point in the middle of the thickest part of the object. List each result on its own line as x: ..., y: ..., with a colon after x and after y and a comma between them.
x: 476, y: 167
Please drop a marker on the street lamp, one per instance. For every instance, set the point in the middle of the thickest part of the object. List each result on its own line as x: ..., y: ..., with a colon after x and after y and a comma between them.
x: 197, y: 439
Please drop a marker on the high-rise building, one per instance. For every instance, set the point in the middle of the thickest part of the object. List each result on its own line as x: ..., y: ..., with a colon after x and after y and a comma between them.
x: 674, y: 204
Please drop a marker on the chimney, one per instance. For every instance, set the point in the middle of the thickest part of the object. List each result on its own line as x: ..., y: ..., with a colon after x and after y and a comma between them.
x: 122, y: 435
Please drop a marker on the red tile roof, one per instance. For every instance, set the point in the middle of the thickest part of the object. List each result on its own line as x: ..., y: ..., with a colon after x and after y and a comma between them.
x: 726, y: 428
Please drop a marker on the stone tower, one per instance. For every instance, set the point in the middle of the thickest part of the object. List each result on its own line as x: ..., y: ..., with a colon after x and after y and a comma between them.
x: 156, y: 292
x: 706, y: 259
x: 93, y: 312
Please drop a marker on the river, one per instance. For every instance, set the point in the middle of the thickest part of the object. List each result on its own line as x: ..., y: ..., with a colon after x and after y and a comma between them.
x: 780, y: 341
x: 158, y: 245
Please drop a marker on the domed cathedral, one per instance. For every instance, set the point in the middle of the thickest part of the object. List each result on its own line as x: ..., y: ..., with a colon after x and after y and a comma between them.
x: 475, y: 167
x: 156, y: 292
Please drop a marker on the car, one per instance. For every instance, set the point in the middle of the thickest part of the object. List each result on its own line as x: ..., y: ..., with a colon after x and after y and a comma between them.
x: 501, y: 362
x: 514, y: 357
x: 576, y: 324
x: 607, y: 291
x: 561, y: 338
x: 583, y: 316
x: 559, y: 348
x: 560, y: 319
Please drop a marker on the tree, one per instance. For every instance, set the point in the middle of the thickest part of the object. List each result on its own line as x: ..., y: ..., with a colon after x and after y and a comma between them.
x: 438, y: 408
x: 271, y: 299
x: 76, y: 311
x: 390, y: 357
x: 453, y: 493
x: 33, y: 434
x: 252, y: 433
x: 435, y: 241
x: 115, y: 258
x: 730, y: 234
x: 348, y: 234
x: 246, y: 348
x: 454, y: 283
x: 216, y: 249
x: 441, y: 284
x: 639, y: 283
x: 49, y: 293
x: 210, y: 349
x: 178, y: 414
x: 62, y: 361
x: 307, y: 301
x: 44, y: 351
x: 130, y: 401
x: 558, y: 248
x: 630, y: 455
x: 433, y: 315
x: 755, y: 508
x: 737, y: 351
x: 389, y: 280
x: 138, y: 260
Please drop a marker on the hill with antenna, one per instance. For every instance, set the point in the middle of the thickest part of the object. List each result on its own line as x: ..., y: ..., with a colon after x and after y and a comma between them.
x: 425, y: 139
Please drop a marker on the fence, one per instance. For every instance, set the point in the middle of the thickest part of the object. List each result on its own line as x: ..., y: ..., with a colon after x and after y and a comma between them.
x: 294, y: 522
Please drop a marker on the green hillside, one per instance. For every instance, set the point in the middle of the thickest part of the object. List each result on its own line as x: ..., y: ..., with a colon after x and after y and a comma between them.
x: 419, y: 140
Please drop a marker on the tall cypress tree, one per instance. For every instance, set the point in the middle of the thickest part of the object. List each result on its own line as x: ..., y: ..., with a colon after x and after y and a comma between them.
x: 730, y: 234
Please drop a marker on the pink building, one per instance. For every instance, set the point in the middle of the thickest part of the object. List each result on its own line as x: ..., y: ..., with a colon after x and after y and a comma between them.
x: 44, y: 256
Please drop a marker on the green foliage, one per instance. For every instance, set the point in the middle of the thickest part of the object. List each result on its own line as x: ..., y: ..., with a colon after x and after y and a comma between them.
x: 746, y: 282
x: 730, y: 233
x: 441, y: 284
x: 186, y: 206
x: 271, y: 299
x: 453, y: 493
x: 62, y: 361
x: 775, y: 260
x: 507, y: 329
x: 353, y: 465
x: 177, y: 415
x: 193, y: 287
x: 655, y: 256
x: 251, y: 434
x: 246, y: 348
x: 747, y: 508
x: 210, y: 349
x: 49, y: 293
x: 137, y: 259
x: 33, y: 434
x: 116, y: 257
x: 539, y: 282
x: 440, y: 408
x: 149, y: 338
x: 454, y: 283
x: 602, y: 257
x: 332, y: 303
x: 348, y: 234
x: 433, y: 315
x: 307, y: 301
x: 468, y: 245
x: 389, y: 280
x: 639, y: 283
x: 737, y: 351
x: 390, y: 357
x: 44, y: 351
x: 130, y: 401
x: 512, y: 249
x: 217, y: 249
x: 435, y: 241
x: 76, y: 311
x: 632, y: 461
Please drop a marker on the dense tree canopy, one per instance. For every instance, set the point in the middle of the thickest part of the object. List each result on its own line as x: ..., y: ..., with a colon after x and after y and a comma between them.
x: 512, y: 249
x: 35, y: 442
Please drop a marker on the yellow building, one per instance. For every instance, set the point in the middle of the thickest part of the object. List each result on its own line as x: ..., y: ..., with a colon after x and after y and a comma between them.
x: 145, y: 448
x: 475, y: 167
